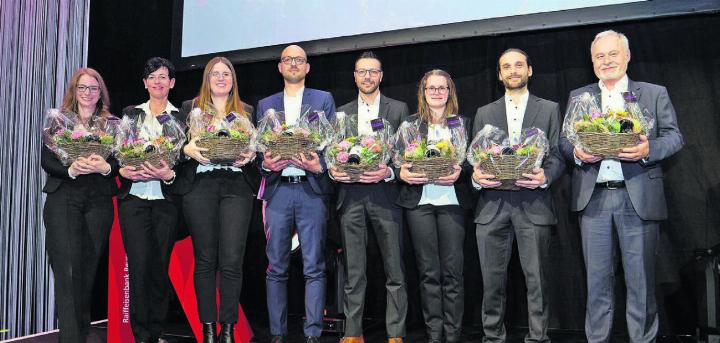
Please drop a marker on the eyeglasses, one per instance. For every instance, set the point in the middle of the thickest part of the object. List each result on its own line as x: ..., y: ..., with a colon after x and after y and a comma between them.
x: 433, y: 89
x: 299, y: 60
x: 363, y: 72
x: 217, y: 75
x: 161, y: 77
x: 84, y: 88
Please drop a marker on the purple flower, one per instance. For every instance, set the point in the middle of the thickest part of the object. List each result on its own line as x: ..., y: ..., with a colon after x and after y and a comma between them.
x: 342, y: 157
x: 596, y: 114
x: 411, y: 147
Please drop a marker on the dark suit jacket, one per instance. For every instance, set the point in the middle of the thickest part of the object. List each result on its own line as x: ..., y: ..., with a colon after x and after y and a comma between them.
x: 57, y: 175
x: 187, y: 166
x: 395, y: 112
x: 138, y: 115
x: 318, y: 101
x: 410, y: 195
x: 643, y: 180
x: 538, y: 206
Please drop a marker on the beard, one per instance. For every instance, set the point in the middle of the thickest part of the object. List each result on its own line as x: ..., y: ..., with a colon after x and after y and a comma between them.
x: 370, y: 90
x: 508, y: 85
x: 291, y: 77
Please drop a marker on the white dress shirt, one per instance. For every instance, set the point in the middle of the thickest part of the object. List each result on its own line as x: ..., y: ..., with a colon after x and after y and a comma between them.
x: 611, y: 170
x: 150, y: 129
x: 293, y: 106
x: 433, y: 194
x: 515, y: 111
x: 366, y: 113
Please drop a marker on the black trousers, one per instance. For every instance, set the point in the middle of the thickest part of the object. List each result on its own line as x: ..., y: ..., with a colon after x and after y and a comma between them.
x: 148, y: 230
x: 77, y: 222
x: 357, y: 215
x: 438, y: 235
x: 218, y: 211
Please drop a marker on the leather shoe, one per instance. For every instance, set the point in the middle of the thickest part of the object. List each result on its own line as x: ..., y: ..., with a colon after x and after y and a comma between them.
x: 226, y: 333
x: 209, y: 333
x: 312, y: 339
x: 278, y: 339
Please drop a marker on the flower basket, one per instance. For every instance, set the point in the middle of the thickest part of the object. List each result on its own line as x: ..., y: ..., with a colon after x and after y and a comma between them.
x: 311, y: 133
x: 66, y: 136
x: 356, y: 154
x: 225, y: 138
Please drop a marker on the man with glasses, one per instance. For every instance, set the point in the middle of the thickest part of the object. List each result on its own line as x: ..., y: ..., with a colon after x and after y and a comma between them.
x: 371, y: 200
x: 295, y: 193
x: 621, y: 201
x: 502, y: 216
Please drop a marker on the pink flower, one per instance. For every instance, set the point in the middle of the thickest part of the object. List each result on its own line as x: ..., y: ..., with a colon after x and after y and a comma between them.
x: 59, y: 132
x: 277, y: 129
x: 78, y: 134
x: 595, y: 114
x: 411, y: 147
x: 376, y: 148
x: 367, y: 141
x: 211, y: 128
x: 301, y: 131
x: 344, y: 145
x: 342, y: 157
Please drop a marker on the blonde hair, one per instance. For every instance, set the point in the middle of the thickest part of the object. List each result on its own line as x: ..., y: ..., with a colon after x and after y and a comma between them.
x: 204, y: 98
x: 451, y: 106
x: 70, y: 102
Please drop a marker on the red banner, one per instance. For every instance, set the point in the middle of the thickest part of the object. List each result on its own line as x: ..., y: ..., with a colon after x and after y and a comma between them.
x: 181, y: 275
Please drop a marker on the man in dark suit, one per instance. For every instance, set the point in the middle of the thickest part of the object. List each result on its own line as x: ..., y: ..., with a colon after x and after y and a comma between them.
x: 527, y: 215
x: 371, y: 201
x: 295, y: 195
x: 622, y: 197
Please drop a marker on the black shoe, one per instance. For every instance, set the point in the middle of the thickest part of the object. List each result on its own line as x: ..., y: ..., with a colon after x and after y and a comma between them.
x: 278, y: 339
x: 312, y: 339
x: 209, y: 333
x: 226, y: 333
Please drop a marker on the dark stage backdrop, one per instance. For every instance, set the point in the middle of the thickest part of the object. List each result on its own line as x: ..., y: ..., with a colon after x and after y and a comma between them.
x: 681, y: 53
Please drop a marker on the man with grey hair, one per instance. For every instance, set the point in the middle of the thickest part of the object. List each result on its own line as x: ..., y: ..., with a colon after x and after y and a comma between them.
x: 622, y: 196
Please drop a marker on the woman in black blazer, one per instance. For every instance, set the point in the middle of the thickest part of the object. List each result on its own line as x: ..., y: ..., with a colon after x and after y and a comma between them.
x: 147, y: 210
x: 435, y: 214
x: 218, y: 204
x: 78, y: 211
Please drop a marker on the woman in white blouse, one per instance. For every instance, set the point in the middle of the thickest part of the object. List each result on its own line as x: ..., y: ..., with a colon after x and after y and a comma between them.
x: 436, y: 213
x: 218, y: 202
x: 147, y: 210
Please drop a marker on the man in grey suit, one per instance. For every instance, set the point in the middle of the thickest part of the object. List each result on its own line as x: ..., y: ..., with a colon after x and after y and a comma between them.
x: 371, y: 201
x: 502, y: 216
x: 622, y: 197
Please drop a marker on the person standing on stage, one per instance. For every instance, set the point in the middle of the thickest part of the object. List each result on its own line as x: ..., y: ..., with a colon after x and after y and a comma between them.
x: 78, y: 210
x: 218, y: 205
x: 436, y: 215
x: 371, y: 201
x: 502, y: 216
x: 622, y: 199
x: 295, y: 194
x: 148, y: 212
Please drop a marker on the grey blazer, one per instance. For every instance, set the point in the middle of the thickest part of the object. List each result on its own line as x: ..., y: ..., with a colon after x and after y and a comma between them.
x: 537, y: 203
x: 395, y: 112
x: 643, y: 179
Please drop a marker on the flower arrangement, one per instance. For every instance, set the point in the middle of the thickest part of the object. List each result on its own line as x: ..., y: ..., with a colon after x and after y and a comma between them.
x: 140, y: 148
x: 70, y: 138
x: 311, y: 132
x: 225, y: 138
x: 136, y: 144
x: 419, y: 149
x: 496, y: 150
x: 605, y: 134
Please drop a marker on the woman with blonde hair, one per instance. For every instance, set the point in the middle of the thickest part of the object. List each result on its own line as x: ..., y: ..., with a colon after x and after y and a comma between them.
x: 436, y: 214
x: 218, y: 202
x: 78, y: 210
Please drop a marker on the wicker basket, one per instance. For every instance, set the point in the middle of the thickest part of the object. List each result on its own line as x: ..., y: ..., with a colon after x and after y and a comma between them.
x: 354, y: 171
x: 607, y: 144
x: 433, y: 167
x: 291, y: 146
x: 508, y: 169
x: 222, y: 149
x: 153, y: 157
x: 85, y: 149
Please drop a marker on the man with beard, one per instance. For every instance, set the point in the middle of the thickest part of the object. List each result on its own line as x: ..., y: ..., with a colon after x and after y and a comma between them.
x: 295, y: 194
x: 621, y: 202
x: 371, y: 201
x: 526, y: 215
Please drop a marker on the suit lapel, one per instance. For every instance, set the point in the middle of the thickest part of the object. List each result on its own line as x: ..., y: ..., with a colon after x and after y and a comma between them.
x: 531, y: 111
x: 500, y: 113
x: 383, y: 112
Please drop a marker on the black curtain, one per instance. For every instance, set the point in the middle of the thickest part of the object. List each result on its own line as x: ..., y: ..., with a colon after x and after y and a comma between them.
x: 680, y: 53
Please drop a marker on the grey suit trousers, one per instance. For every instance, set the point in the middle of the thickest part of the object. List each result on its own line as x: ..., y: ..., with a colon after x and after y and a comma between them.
x: 608, y: 213
x: 386, y: 221
x: 495, y: 244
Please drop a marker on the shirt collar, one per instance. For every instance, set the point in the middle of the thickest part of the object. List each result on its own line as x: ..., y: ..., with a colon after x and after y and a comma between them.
x: 374, y: 103
x: 523, y: 99
x: 299, y: 92
x: 620, y: 86
x: 146, y: 107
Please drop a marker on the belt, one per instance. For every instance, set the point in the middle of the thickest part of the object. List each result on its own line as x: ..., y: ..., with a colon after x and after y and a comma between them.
x: 610, y: 184
x: 293, y: 179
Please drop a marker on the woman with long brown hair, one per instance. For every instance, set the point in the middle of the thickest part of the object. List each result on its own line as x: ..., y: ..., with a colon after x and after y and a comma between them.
x: 78, y: 211
x: 436, y: 215
x: 218, y: 202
